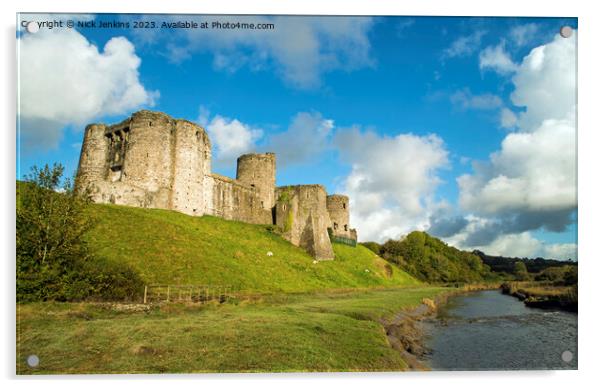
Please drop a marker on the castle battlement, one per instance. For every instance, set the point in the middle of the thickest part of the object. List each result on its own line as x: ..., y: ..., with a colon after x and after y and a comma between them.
x: 155, y: 161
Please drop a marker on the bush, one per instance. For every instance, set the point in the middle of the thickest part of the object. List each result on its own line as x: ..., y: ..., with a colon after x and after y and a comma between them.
x: 100, y: 279
x: 53, y: 261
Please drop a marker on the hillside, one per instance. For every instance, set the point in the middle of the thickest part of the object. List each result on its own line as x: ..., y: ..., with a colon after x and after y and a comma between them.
x: 429, y: 259
x: 168, y: 247
x: 506, y: 264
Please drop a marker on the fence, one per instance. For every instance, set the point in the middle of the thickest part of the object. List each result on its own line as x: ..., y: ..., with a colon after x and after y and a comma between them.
x: 341, y: 239
x: 186, y: 293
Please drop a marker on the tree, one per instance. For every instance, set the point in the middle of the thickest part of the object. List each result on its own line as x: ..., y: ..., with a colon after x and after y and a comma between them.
x: 53, y: 260
x: 520, y: 271
x: 50, y: 227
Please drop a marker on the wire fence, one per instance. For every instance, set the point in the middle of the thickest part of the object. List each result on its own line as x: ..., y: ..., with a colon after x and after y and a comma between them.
x: 203, y: 293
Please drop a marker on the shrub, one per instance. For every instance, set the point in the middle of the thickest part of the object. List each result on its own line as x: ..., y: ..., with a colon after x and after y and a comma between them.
x: 53, y: 260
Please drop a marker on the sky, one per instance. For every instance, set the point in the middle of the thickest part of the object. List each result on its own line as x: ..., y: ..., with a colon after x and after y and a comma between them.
x: 461, y: 127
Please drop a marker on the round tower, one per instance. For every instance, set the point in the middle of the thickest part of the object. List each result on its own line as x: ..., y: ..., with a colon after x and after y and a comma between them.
x: 259, y: 171
x: 93, y: 157
x: 338, y: 209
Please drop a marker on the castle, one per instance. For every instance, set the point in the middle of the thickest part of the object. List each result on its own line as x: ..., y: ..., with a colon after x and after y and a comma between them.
x: 154, y: 161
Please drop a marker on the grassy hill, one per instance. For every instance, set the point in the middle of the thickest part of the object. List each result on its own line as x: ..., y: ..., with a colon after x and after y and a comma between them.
x: 432, y: 260
x: 168, y: 247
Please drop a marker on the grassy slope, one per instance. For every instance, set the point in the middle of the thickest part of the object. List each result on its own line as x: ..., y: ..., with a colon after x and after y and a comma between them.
x: 335, y: 331
x: 168, y: 247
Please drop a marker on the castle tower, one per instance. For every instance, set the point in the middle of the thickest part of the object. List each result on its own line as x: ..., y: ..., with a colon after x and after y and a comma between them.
x: 302, y: 217
x: 148, y: 160
x: 338, y: 209
x: 93, y: 158
x: 259, y: 171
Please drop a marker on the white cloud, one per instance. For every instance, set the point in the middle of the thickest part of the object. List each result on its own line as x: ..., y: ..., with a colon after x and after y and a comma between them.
x: 464, y: 45
x: 496, y: 59
x: 546, y: 83
x: 532, y: 172
x: 530, y: 182
x: 298, y: 49
x: 521, y: 244
x: 305, y: 139
x: 231, y: 138
x: 561, y: 251
x: 204, y: 116
x: 392, y: 180
x: 513, y: 245
x: 464, y: 99
x: 65, y: 80
x: 507, y: 118
x: 523, y: 34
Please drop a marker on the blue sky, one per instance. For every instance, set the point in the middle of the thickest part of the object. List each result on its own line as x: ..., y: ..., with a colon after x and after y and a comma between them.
x: 390, y: 110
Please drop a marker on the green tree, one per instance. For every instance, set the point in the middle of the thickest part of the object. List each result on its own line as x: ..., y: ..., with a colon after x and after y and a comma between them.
x: 50, y: 227
x: 520, y: 271
x: 53, y: 260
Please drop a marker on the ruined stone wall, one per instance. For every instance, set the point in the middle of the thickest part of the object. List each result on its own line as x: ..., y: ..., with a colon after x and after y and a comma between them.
x: 338, y: 210
x: 233, y: 200
x: 191, y: 154
x: 147, y: 160
x: 259, y: 171
x: 302, y: 217
x: 93, y: 157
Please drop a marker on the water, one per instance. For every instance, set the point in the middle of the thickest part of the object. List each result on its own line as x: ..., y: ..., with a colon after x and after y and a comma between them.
x: 490, y: 331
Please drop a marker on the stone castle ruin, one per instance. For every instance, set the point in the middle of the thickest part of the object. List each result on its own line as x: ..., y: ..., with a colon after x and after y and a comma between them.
x: 151, y: 160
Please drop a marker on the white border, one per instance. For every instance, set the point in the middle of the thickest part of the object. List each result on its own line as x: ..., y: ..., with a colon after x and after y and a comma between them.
x: 589, y: 67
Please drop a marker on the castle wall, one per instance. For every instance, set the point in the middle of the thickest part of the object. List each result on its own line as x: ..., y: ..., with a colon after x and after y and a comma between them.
x: 233, y: 200
x: 259, y: 171
x: 302, y: 217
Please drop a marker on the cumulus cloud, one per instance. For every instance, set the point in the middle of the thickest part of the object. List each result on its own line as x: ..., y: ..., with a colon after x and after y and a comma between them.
x: 230, y: 138
x: 446, y: 226
x: 66, y: 81
x: 480, y: 233
x: 464, y: 45
x: 307, y: 137
x: 298, y: 49
x: 513, y: 245
x: 392, y: 180
x: 546, y: 83
x: 523, y: 34
x: 496, y: 59
x: 508, y: 118
x: 530, y: 183
x: 465, y: 99
x: 561, y: 251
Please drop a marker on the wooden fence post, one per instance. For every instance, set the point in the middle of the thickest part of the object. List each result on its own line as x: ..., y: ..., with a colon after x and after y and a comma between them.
x: 145, y: 291
x: 168, y: 293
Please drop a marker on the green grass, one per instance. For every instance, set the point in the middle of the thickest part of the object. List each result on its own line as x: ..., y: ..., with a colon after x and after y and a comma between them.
x: 326, y: 331
x: 168, y: 247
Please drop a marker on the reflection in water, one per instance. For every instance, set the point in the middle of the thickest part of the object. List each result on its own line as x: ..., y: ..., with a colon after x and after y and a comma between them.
x: 487, y: 330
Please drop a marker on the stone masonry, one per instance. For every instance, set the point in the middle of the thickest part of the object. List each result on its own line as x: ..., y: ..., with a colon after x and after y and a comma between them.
x: 154, y: 161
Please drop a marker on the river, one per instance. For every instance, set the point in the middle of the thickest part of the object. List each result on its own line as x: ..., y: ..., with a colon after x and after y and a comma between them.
x: 487, y: 330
